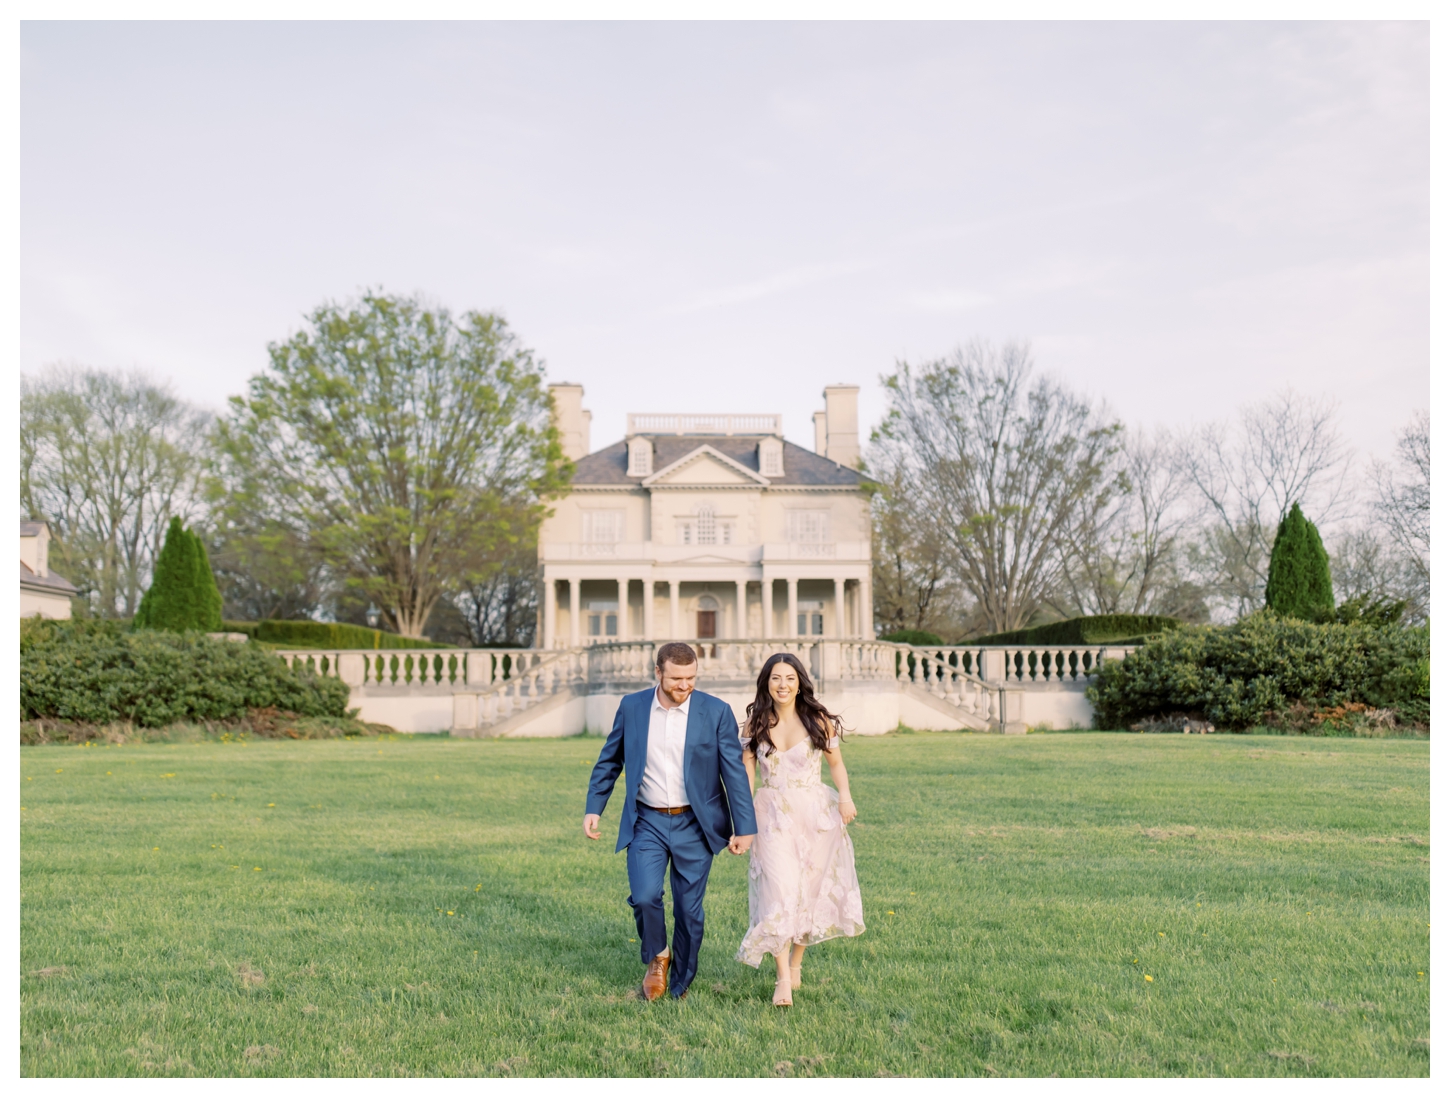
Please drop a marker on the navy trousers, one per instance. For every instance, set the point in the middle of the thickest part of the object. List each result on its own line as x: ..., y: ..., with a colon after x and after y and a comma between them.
x: 679, y: 842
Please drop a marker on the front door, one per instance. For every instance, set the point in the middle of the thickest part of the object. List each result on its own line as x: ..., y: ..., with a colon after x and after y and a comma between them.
x: 705, y: 623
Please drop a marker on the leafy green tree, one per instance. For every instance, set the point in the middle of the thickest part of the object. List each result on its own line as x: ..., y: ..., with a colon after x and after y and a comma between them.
x: 1299, y: 584
x: 410, y: 449
x: 183, y: 593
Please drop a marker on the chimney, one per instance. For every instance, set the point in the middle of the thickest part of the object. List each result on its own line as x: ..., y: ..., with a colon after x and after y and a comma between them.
x: 838, y: 425
x: 35, y: 547
x: 570, y: 418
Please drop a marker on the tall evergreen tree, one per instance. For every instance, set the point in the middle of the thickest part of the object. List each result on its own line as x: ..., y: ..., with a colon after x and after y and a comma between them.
x: 1299, y: 583
x: 183, y: 593
x: 208, y: 595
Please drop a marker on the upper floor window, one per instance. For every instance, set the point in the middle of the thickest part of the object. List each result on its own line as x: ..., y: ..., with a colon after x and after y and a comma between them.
x: 641, y: 457
x: 772, y: 462
x: 603, y: 527
x: 807, y: 527
x: 705, y: 528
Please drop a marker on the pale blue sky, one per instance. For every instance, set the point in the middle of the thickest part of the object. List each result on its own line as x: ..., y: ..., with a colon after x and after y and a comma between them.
x: 700, y: 217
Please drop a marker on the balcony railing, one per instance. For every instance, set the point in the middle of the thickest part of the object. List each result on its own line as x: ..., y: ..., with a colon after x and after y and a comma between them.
x: 649, y: 423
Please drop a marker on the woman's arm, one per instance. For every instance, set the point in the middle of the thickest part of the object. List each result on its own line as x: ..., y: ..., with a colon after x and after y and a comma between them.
x: 749, y: 761
x: 842, y: 783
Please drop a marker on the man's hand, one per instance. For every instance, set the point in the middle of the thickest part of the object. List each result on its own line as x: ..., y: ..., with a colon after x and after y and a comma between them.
x: 591, y: 826
x: 739, y: 844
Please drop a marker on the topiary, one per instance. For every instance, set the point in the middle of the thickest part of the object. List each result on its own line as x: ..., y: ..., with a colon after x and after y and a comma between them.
x: 1299, y: 584
x: 183, y: 594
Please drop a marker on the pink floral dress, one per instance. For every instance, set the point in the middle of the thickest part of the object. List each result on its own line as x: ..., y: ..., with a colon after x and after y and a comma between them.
x: 803, y: 884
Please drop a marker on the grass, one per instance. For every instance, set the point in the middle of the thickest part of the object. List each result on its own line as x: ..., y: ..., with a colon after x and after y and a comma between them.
x: 428, y: 907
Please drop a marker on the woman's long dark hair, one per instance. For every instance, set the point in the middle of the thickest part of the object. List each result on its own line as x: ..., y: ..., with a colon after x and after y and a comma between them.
x: 760, y: 716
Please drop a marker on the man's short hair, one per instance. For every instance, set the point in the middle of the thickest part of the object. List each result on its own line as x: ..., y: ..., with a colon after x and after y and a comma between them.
x: 675, y: 652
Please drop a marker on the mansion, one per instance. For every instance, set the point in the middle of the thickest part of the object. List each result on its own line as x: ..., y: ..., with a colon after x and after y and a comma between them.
x: 708, y: 527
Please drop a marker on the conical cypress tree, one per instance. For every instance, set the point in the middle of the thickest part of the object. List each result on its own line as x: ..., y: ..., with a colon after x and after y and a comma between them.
x: 183, y: 593
x: 208, y: 596
x: 1299, y: 584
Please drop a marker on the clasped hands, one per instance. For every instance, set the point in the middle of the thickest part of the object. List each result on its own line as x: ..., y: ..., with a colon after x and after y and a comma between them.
x: 739, y: 844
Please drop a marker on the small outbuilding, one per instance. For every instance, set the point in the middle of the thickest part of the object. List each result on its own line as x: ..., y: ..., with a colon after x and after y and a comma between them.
x: 41, y: 590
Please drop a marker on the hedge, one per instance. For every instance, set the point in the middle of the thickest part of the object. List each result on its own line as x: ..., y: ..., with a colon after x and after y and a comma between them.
x: 1242, y: 675
x: 1094, y: 629
x: 334, y: 634
x: 99, y: 672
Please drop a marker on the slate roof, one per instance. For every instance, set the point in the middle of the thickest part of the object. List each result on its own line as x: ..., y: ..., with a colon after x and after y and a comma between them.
x: 608, y: 466
x: 52, y: 582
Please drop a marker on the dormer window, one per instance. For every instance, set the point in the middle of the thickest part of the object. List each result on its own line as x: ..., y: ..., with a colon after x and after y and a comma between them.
x: 772, y: 463
x: 641, y: 457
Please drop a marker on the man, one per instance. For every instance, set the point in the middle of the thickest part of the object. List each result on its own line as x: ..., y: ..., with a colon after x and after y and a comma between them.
x: 686, y: 799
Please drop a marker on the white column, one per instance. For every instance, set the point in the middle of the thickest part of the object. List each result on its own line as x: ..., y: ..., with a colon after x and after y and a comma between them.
x: 792, y: 623
x: 767, y: 606
x: 865, y: 610
x: 551, y: 611
x: 573, y: 612
x: 741, y: 617
x: 649, y: 608
x: 840, y: 607
x: 674, y: 609
x: 624, y: 630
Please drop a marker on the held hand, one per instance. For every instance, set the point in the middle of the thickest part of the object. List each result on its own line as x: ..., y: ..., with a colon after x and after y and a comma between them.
x: 591, y: 826
x: 848, y: 810
x: 739, y: 844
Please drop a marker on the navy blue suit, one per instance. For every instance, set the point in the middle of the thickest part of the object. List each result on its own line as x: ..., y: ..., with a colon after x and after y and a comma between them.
x: 720, y: 806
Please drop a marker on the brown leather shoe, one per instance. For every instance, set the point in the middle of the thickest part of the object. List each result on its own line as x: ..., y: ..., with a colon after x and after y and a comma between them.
x: 657, y: 978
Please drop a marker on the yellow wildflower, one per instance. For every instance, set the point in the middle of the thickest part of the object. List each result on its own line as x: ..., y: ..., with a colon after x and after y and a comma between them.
x: 1147, y: 977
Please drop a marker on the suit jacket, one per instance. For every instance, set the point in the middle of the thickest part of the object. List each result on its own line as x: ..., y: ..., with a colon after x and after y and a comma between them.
x: 715, y: 778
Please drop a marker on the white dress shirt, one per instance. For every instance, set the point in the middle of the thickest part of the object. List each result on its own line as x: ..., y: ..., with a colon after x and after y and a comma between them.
x: 663, y: 784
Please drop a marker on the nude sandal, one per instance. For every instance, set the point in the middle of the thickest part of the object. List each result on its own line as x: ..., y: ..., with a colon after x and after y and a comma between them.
x: 782, y: 992
x: 795, y: 976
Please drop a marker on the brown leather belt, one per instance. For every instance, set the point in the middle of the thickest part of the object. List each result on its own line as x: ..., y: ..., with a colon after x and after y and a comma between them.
x: 666, y: 811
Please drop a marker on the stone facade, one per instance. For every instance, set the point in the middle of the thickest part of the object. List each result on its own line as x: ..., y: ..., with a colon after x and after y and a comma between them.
x: 706, y: 528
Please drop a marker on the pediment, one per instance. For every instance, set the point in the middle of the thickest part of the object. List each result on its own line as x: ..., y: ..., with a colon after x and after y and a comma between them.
x: 705, y: 467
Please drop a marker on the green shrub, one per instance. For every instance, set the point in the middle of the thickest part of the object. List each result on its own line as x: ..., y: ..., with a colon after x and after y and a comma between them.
x: 1240, y: 675
x: 183, y: 594
x: 1299, y: 585
x: 97, y: 672
x: 1093, y: 629
x: 912, y: 636
x: 334, y: 634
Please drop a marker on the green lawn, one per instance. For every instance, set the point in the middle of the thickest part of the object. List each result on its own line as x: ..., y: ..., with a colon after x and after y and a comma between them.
x: 428, y: 907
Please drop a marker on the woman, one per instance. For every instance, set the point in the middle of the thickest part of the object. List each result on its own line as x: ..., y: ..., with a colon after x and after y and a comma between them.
x: 803, y: 886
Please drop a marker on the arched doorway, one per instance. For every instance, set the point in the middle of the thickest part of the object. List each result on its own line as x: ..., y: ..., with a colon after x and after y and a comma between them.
x: 707, y: 612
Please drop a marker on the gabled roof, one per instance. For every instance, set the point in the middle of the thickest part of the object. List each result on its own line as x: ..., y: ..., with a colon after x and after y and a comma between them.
x: 708, y: 454
x: 802, y: 468
x: 51, y: 583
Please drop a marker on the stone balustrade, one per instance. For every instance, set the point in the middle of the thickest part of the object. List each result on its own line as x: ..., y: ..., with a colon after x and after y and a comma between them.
x: 488, y: 686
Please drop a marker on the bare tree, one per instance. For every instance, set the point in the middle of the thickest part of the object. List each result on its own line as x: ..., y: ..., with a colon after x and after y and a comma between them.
x: 914, y: 581
x: 1285, y: 450
x: 1124, y: 557
x: 107, y: 459
x: 500, y: 605
x: 1003, y: 469
x: 1403, y: 506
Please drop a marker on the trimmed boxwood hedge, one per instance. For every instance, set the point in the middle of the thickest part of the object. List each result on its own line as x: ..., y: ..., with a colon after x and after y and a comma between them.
x: 1239, y: 675
x: 332, y: 634
x: 1093, y: 629
x: 99, y: 672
